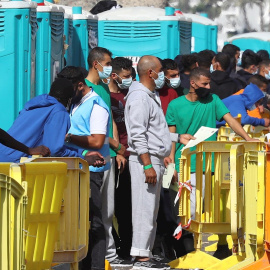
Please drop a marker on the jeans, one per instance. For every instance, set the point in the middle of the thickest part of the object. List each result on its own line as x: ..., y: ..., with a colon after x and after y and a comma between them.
x: 95, y: 258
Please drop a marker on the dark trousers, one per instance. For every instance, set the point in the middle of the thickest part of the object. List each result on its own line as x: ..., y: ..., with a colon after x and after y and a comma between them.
x: 123, y: 210
x: 95, y: 258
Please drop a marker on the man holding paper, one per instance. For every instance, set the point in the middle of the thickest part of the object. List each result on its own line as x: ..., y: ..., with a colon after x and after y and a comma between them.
x: 199, y: 108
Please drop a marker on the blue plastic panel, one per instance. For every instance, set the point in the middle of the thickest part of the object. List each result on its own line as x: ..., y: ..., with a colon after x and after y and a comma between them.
x: 252, y: 44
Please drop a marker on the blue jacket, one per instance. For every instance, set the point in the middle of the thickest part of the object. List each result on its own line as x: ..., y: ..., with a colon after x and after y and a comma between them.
x: 239, y: 104
x: 43, y: 121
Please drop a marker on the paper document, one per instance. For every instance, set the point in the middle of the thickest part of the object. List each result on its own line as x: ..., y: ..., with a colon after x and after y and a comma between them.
x: 168, y: 175
x: 201, y: 135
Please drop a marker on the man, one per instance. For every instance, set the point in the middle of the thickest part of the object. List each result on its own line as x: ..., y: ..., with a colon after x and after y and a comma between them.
x: 99, y: 61
x: 250, y: 99
x: 221, y: 84
x: 234, y: 53
x: 90, y: 130
x: 172, y: 81
x: 44, y: 120
x: 121, y: 80
x: 149, y: 143
x: 250, y: 64
x: 205, y: 58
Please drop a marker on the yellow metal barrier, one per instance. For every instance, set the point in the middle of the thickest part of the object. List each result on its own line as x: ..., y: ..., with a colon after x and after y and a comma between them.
x: 231, y: 219
x: 72, y: 238
x: 45, y: 187
x: 11, y: 236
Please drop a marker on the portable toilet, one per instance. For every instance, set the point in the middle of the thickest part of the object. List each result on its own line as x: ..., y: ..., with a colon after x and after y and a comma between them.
x: 204, y: 33
x: 136, y: 31
x: 49, y: 46
x: 92, y: 32
x: 254, y: 41
x: 18, y: 27
x: 80, y: 45
x: 68, y: 36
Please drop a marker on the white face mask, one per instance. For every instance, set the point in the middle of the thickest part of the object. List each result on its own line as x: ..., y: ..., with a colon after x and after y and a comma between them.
x: 160, y: 80
x: 174, y: 82
x: 126, y: 83
x: 267, y: 75
x: 212, y: 68
x: 107, y: 70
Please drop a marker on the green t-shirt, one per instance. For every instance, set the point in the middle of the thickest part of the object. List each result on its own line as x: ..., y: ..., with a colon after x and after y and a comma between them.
x: 103, y: 91
x: 189, y: 116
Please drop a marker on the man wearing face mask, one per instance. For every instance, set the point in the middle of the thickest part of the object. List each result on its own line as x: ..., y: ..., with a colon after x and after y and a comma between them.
x: 250, y: 63
x: 264, y: 70
x: 172, y: 81
x: 149, y: 143
x: 121, y: 80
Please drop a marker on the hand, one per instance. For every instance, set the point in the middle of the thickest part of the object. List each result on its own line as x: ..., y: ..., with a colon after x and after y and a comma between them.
x: 40, y: 150
x: 185, y: 138
x: 151, y: 176
x: 252, y: 140
x: 94, y: 159
x: 167, y: 161
x: 174, y: 178
x: 266, y: 122
x: 121, y: 162
x: 122, y: 150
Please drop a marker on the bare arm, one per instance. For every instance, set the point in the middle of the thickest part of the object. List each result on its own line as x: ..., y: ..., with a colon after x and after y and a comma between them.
x: 94, y: 141
x: 150, y: 174
x: 172, y: 154
x: 236, y: 127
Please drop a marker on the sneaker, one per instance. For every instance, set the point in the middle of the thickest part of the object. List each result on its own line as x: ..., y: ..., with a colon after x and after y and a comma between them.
x: 150, y: 264
x: 119, y: 262
x: 160, y: 259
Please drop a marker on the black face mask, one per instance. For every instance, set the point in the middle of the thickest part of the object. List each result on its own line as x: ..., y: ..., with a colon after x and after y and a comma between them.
x: 202, y: 92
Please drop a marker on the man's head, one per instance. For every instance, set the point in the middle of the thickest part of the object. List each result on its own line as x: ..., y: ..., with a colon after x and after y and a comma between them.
x: 260, y: 81
x: 264, y: 69
x: 171, y: 72
x: 150, y: 72
x: 205, y: 58
x: 220, y: 62
x: 263, y: 54
x: 232, y: 50
x: 189, y: 62
x: 99, y: 61
x: 250, y: 61
x: 62, y: 90
x: 200, y: 82
x: 122, y: 72
x: 75, y: 75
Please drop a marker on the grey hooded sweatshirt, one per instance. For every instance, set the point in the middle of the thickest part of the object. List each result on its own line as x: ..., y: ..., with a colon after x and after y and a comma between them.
x: 146, y: 126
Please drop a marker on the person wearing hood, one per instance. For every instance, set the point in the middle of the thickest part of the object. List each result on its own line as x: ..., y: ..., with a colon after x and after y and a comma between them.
x: 250, y: 99
x: 250, y: 63
x: 172, y: 81
x: 44, y: 120
x: 149, y: 143
x: 221, y: 84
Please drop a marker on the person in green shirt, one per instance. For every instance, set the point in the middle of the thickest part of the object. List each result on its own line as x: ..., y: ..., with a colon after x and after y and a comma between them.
x: 99, y: 61
x: 186, y: 114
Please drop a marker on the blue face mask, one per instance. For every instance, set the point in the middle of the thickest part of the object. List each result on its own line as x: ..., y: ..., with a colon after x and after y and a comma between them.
x: 267, y: 75
x: 107, y: 70
x: 239, y: 62
x: 253, y: 107
x: 174, y: 82
x: 212, y: 68
x: 160, y: 80
x: 126, y: 83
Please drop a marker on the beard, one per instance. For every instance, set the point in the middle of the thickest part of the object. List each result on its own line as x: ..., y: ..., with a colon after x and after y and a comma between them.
x: 76, y: 99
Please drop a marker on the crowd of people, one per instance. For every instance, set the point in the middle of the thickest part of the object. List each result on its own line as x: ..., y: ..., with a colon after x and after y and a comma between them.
x: 129, y: 129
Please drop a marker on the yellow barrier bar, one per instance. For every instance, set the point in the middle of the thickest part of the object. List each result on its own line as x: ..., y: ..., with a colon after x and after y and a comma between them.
x: 11, y: 237
x: 72, y: 238
x: 46, y: 183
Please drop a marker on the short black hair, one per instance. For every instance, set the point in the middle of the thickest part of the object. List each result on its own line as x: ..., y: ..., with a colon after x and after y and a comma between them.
x: 74, y: 74
x: 205, y: 58
x: 62, y: 89
x: 133, y: 73
x: 188, y: 60
x: 250, y: 58
x: 97, y: 54
x: 230, y: 49
x: 263, y: 54
x: 257, y: 79
x: 119, y: 63
x: 264, y: 63
x: 169, y: 64
x: 199, y: 71
x: 224, y: 60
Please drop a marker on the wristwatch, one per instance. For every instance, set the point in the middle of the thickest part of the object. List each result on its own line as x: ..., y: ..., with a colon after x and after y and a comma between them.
x: 68, y: 138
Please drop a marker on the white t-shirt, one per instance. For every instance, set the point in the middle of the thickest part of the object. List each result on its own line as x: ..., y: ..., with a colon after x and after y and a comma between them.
x: 99, y: 117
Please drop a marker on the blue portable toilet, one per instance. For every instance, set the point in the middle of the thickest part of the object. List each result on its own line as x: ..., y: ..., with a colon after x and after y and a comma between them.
x: 80, y: 45
x: 136, y: 31
x: 254, y: 41
x: 18, y: 26
x: 204, y: 33
x: 68, y: 36
x: 49, y: 46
